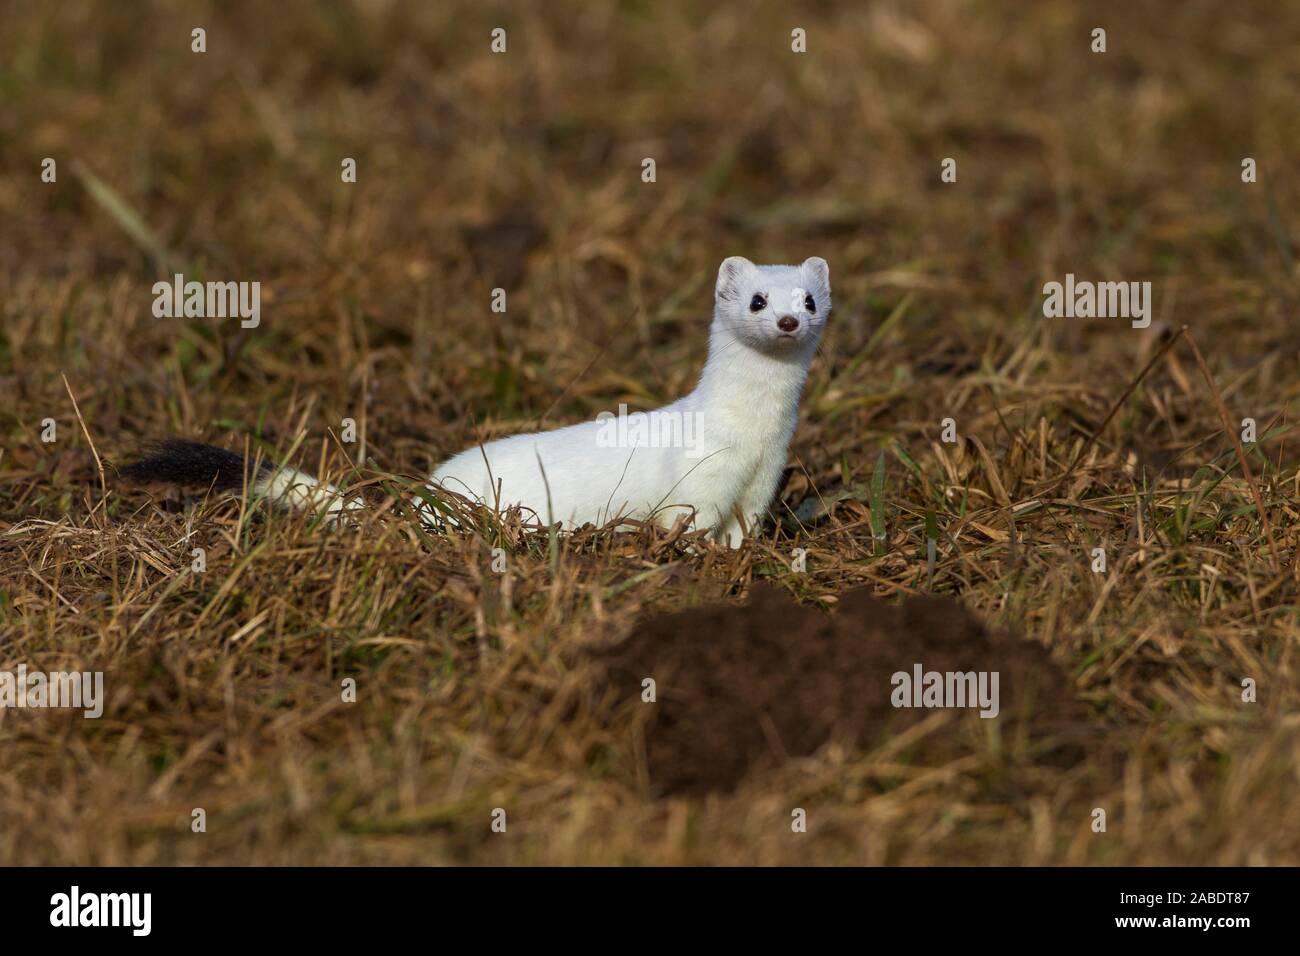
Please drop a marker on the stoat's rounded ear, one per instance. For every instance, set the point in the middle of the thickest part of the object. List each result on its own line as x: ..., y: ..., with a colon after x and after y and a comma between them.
x: 817, y: 268
x: 732, y: 270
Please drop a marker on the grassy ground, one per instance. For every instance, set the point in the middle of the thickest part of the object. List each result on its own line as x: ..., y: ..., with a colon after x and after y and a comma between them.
x: 523, y: 171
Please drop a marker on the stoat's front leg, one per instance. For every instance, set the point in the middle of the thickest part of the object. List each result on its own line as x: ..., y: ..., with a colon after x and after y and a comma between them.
x: 756, y: 499
x: 728, y: 532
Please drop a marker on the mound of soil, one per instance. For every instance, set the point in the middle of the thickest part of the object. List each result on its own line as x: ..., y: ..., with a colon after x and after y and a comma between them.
x: 739, y: 686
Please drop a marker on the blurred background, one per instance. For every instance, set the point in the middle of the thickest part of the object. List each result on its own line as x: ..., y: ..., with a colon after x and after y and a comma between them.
x: 522, y: 170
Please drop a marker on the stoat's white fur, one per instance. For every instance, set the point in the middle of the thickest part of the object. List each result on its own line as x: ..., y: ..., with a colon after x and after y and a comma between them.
x: 739, y: 421
x: 735, y: 429
x: 299, y: 491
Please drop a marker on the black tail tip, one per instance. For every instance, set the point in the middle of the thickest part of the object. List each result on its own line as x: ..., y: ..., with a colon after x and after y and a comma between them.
x: 183, y: 462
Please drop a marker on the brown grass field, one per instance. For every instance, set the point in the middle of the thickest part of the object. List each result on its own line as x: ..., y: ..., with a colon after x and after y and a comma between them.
x: 479, y: 689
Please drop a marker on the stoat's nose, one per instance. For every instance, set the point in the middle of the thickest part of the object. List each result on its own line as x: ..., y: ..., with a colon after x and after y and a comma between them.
x: 787, y: 323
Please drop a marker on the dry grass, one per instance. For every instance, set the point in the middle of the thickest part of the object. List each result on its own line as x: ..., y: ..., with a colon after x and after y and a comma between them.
x: 523, y: 170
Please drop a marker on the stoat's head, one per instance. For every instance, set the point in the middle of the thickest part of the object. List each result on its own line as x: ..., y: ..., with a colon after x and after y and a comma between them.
x: 777, y: 310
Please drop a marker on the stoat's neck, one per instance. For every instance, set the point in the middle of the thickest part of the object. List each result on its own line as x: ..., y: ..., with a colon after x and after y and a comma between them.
x: 743, y: 385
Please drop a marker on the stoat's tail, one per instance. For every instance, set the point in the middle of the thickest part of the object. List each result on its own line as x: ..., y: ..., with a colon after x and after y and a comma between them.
x: 190, y: 463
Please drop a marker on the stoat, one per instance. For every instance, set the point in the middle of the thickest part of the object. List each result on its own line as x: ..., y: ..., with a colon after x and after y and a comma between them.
x: 716, y: 454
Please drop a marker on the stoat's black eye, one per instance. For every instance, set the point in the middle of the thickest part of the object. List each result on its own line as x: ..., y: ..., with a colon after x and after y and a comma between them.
x: 758, y: 303
x: 809, y: 304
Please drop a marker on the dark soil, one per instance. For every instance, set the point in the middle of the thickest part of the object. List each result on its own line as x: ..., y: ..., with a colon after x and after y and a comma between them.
x: 742, y: 686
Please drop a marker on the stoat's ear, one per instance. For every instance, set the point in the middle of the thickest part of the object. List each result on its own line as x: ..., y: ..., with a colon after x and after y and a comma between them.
x: 730, y: 273
x: 817, y: 269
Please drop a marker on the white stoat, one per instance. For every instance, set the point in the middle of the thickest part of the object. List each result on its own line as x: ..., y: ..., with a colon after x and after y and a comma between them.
x: 717, y: 452
x: 728, y: 438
